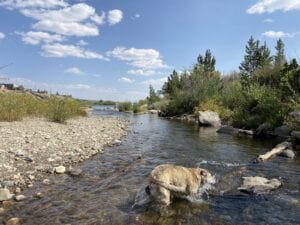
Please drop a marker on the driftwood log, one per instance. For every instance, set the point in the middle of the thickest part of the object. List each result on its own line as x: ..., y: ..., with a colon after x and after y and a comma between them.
x: 275, y: 151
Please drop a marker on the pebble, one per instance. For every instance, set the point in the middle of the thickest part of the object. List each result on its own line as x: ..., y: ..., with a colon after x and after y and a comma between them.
x: 2, y: 210
x: 19, y: 198
x: 5, y: 194
x: 60, y: 169
x: 75, y: 172
x: 46, y: 181
x: 13, y: 221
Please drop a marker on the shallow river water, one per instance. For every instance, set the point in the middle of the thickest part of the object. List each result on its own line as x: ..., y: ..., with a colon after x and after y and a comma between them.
x: 105, y: 192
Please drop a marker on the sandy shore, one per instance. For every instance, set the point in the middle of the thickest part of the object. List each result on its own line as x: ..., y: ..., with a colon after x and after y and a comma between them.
x: 34, y: 147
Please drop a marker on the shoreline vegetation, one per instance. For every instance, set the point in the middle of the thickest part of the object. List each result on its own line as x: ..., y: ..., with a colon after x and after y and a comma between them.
x: 264, y: 93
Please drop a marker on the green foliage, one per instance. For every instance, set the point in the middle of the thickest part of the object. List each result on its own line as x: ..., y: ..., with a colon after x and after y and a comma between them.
x: 216, y: 106
x: 60, y: 109
x: 125, y: 106
x: 266, y: 89
x: 153, y: 97
x: 259, y: 104
x: 172, y: 86
x: 15, y: 106
x: 256, y: 57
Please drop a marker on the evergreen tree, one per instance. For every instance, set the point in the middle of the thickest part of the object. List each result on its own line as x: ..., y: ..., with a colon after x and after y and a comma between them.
x: 280, y: 56
x: 265, y: 58
x: 257, y: 57
x: 173, y: 84
x: 153, y: 97
x: 251, y: 59
x: 206, y: 64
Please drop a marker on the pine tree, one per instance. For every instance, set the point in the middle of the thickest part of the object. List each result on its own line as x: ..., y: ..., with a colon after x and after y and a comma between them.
x: 173, y: 84
x: 280, y: 56
x: 251, y: 59
x: 206, y: 64
x: 264, y: 56
x: 153, y: 97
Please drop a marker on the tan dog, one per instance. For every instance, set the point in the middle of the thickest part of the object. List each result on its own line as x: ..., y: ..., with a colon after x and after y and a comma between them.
x: 168, y: 180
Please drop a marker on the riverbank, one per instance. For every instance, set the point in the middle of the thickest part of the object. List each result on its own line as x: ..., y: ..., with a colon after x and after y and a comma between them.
x: 32, y: 148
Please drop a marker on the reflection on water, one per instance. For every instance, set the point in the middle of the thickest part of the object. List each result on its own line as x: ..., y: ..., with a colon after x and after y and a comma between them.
x: 105, y: 192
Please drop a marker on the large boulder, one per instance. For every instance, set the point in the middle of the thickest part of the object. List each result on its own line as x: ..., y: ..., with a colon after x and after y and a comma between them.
x: 209, y: 118
x: 259, y: 185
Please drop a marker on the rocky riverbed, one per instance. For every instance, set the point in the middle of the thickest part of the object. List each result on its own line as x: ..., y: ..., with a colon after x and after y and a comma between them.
x: 32, y: 148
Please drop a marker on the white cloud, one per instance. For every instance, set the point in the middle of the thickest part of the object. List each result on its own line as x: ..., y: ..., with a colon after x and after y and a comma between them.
x: 155, y: 82
x: 269, y: 6
x: 35, y: 38
x: 74, y: 70
x: 126, y: 80
x: 114, y: 16
x: 278, y: 34
x: 2, y: 36
x: 19, y: 4
x: 268, y: 20
x: 141, y: 72
x: 82, y: 43
x: 68, y: 29
x: 147, y: 59
x: 59, y: 51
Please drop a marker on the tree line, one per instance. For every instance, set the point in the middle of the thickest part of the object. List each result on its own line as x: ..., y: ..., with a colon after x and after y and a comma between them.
x: 266, y: 88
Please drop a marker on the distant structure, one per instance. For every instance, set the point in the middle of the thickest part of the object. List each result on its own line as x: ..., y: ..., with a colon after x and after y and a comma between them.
x: 7, y: 86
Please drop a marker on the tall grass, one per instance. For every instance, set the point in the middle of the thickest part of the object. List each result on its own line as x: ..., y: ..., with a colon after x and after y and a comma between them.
x: 16, y: 106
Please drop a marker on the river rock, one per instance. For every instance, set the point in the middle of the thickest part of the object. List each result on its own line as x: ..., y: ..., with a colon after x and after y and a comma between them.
x: 283, y: 131
x: 228, y: 130
x: 60, y: 169
x: 263, y: 130
x: 296, y: 134
x: 258, y: 185
x: 209, y: 118
x: 5, y: 194
x: 75, y: 172
x: 13, y: 221
x: 288, y: 154
x: 19, y: 198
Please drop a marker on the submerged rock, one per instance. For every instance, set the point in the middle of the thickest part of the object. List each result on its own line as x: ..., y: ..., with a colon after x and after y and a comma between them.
x: 259, y: 185
x: 209, y: 118
x: 5, y: 194
x: 228, y: 130
x: 288, y: 154
x: 75, y: 172
x: 283, y: 131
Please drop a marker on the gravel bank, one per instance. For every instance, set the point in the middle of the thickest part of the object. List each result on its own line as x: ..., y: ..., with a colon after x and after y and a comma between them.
x: 34, y: 147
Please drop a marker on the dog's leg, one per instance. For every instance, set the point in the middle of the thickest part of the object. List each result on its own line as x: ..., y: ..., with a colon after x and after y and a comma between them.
x: 164, y: 196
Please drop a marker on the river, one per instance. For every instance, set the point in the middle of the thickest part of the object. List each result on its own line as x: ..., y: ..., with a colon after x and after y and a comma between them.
x: 106, y: 190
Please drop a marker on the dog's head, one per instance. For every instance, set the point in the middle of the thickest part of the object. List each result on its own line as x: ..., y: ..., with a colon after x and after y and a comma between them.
x: 204, y: 176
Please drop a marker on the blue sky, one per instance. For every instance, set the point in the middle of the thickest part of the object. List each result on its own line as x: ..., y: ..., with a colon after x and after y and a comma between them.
x: 114, y: 49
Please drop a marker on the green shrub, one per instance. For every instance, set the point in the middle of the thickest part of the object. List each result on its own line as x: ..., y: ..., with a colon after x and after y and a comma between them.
x: 15, y: 106
x: 60, y: 109
x: 125, y: 106
x: 259, y: 104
